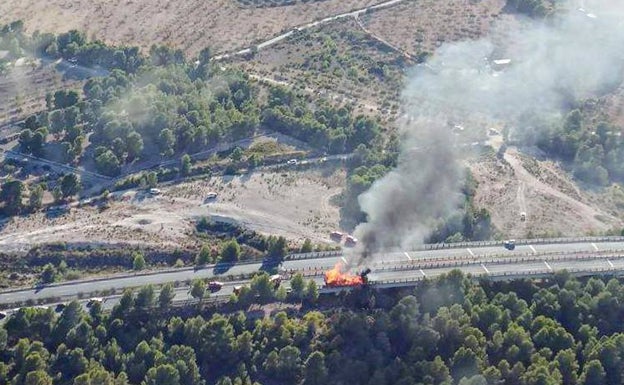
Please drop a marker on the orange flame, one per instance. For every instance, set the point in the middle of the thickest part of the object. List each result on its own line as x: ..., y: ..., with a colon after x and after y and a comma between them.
x: 336, y: 277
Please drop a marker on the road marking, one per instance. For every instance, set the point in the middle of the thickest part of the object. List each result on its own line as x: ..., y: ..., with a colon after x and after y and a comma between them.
x: 595, y: 247
x: 611, y: 264
x: 407, y: 255
x: 423, y: 273
x: 344, y: 260
x: 470, y: 251
x: 547, y: 265
x: 485, y: 268
x: 533, y: 249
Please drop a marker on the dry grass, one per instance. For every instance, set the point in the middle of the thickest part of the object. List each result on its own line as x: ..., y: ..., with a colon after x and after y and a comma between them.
x: 422, y: 26
x: 337, y: 61
x: 23, y: 89
x: 192, y: 25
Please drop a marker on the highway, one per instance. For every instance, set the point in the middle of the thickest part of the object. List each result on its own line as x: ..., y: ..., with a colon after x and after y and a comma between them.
x: 493, y: 260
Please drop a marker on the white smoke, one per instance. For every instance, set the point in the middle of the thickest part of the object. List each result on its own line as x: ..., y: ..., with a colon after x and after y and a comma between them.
x: 575, y: 55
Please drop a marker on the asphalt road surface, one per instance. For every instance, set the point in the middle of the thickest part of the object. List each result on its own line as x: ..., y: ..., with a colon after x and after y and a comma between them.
x: 442, y: 259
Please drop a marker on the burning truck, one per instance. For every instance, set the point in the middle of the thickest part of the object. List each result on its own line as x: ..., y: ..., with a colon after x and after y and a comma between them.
x: 338, y: 277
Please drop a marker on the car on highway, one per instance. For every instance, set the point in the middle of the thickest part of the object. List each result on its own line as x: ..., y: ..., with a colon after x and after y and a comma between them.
x: 214, y: 286
x: 292, y: 162
x: 93, y: 301
x: 510, y: 244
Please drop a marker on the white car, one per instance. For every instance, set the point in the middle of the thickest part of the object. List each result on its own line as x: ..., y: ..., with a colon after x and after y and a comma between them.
x: 292, y: 161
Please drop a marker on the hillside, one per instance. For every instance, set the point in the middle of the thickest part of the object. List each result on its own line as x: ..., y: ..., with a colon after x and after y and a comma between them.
x: 327, y: 88
x: 222, y: 25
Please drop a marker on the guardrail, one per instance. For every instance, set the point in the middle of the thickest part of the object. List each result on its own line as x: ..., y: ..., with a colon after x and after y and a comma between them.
x: 463, y: 245
x: 504, y: 275
x: 194, y: 301
x: 501, y: 258
x: 313, y: 255
x: 505, y: 259
x: 510, y: 262
x: 536, y: 241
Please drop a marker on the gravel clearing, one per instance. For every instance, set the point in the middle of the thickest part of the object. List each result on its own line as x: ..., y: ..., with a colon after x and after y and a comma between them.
x: 296, y: 205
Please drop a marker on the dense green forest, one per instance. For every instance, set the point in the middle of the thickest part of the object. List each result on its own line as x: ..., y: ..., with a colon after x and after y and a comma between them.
x: 595, y: 151
x: 448, y: 331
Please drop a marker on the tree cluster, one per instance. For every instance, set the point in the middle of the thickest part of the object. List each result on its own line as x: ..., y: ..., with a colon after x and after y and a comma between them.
x: 333, y: 129
x: 448, y: 331
x: 269, y: 246
x: 595, y: 152
x: 534, y: 8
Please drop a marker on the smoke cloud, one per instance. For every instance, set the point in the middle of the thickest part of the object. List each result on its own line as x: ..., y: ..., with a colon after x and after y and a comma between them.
x: 554, y: 63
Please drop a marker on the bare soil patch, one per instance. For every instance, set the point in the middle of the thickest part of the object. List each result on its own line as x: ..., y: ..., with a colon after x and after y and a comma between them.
x: 222, y: 25
x: 294, y: 204
x: 422, y: 26
x: 554, y: 204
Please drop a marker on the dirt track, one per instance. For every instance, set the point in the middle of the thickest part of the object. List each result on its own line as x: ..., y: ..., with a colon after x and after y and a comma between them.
x: 553, y: 203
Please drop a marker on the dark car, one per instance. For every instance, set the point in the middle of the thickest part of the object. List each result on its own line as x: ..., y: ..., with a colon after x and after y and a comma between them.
x: 214, y: 286
x: 510, y: 245
x: 93, y: 301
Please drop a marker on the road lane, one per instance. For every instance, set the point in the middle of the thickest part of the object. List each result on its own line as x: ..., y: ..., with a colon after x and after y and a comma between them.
x: 585, y: 264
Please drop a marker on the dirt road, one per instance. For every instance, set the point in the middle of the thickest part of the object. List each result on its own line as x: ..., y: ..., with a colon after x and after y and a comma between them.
x: 554, y: 205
